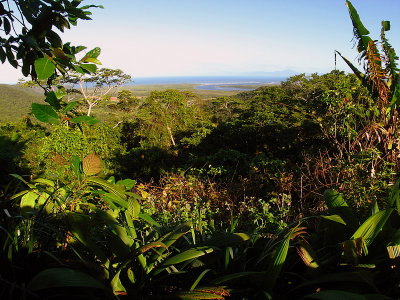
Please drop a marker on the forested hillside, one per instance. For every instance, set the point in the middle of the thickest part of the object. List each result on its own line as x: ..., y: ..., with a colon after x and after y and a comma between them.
x: 16, y: 101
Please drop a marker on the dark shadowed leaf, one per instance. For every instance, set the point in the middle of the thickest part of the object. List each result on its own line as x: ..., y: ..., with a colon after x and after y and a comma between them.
x: 63, y: 277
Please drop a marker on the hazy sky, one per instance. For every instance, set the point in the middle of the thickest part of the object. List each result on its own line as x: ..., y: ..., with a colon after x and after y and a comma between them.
x: 225, y: 37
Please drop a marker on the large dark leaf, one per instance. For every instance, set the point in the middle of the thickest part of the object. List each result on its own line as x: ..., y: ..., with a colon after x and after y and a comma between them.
x: 63, y: 277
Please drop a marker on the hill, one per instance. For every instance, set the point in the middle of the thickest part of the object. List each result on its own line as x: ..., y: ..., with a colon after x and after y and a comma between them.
x: 15, y: 101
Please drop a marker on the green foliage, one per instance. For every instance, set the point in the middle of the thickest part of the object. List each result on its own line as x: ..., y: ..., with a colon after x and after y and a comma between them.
x: 162, y: 115
x: 55, y: 150
x: 34, y: 45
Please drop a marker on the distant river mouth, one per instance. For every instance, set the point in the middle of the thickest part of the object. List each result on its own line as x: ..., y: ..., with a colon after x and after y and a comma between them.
x: 223, y: 87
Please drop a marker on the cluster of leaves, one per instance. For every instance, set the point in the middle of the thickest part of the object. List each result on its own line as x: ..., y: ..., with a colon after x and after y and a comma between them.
x: 31, y: 41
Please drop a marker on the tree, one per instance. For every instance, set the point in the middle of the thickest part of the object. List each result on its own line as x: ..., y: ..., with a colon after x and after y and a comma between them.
x: 29, y: 40
x: 96, y: 86
x: 164, y: 113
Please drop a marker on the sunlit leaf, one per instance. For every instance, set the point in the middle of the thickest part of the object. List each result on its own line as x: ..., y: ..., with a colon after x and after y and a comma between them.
x: 44, y: 68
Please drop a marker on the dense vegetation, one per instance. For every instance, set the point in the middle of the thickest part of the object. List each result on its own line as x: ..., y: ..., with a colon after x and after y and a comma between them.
x: 284, y: 192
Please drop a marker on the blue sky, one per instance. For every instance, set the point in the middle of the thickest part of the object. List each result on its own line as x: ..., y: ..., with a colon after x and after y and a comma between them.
x: 225, y: 37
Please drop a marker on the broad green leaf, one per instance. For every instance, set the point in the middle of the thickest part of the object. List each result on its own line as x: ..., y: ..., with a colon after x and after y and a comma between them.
x: 395, y: 240
x: 93, y: 60
x: 45, y: 113
x: 133, y: 208
x: 372, y: 226
x: 386, y: 25
x: 70, y: 106
x: 113, y: 200
x: 116, y: 283
x: 60, y: 93
x: 76, y: 166
x: 127, y: 183
x: 94, y: 53
x: 277, y: 262
x: 91, y: 68
x: 149, y: 219
x: 45, y: 181
x: 112, y: 188
x: 63, y: 277
x: 84, y: 119
x: 355, y: 18
x: 187, y: 255
x: 356, y: 71
x: 28, y: 203
x: 44, y: 68
x: 52, y: 99
x: 338, y: 206
x: 171, y: 237
x: 78, y: 69
x: 335, y: 218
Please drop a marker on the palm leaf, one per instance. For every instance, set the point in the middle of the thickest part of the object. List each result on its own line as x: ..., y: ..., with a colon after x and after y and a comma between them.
x: 372, y: 226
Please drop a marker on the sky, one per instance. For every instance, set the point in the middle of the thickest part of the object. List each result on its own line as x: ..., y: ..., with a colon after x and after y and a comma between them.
x: 154, y: 38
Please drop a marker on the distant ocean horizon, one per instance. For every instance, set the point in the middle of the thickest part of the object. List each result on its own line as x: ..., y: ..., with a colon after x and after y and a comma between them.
x: 224, y: 83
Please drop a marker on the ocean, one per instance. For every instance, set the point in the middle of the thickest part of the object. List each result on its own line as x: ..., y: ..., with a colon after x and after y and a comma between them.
x: 222, y: 83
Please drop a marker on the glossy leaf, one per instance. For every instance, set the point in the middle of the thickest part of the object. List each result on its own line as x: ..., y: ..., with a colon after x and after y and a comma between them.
x: 187, y: 255
x: 76, y: 166
x: 53, y: 100
x: 70, y: 106
x: 338, y: 206
x: 372, y: 226
x: 45, y: 113
x: 112, y: 188
x: 94, y: 53
x: 91, y: 68
x: 44, y: 68
x: 27, y: 204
